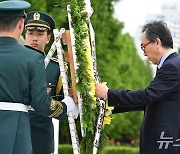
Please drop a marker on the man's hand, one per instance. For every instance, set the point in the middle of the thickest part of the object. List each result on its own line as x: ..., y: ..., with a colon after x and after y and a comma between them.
x: 101, y: 90
x: 72, y: 108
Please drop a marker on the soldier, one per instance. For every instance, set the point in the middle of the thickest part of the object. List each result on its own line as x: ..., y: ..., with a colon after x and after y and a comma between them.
x: 22, y: 82
x: 38, y: 26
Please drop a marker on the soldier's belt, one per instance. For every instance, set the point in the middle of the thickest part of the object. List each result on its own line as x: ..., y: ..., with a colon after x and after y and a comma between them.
x: 13, y: 107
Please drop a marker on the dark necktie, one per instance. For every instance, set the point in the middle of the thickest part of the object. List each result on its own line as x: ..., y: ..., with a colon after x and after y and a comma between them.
x: 157, y: 70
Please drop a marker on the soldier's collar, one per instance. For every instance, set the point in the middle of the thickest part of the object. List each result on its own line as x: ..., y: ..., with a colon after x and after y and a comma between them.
x: 34, y: 49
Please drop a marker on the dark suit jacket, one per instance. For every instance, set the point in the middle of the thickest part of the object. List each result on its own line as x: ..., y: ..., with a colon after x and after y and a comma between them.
x: 161, y: 99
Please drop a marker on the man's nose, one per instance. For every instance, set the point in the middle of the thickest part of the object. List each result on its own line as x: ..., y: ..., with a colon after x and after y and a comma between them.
x: 34, y: 38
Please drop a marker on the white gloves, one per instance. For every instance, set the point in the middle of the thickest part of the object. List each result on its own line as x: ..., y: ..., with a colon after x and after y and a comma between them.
x: 72, y: 108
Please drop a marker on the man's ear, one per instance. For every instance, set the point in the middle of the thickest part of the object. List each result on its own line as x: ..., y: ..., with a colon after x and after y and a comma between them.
x: 19, y: 28
x: 21, y: 24
x: 48, y: 38
x: 158, y: 42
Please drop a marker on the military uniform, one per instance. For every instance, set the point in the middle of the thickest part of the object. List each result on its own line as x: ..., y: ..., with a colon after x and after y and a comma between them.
x: 42, y: 130
x: 22, y: 82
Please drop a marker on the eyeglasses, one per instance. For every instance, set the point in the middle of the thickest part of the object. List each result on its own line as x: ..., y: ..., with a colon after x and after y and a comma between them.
x: 143, y: 46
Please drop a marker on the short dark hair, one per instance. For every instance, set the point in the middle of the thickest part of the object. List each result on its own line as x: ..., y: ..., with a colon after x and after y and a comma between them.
x: 158, y: 29
x: 8, y: 23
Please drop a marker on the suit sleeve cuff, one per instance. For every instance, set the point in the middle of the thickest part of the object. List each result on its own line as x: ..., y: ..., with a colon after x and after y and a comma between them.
x: 109, y: 98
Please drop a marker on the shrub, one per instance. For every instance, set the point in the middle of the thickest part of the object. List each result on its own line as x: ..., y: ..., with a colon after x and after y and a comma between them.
x: 67, y: 149
x: 121, y: 150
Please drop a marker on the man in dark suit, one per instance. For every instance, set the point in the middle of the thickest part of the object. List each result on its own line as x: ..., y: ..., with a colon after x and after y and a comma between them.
x: 22, y: 83
x: 38, y: 27
x: 160, y: 131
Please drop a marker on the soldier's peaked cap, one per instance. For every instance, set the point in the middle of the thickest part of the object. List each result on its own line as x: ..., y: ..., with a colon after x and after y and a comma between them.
x: 13, y: 8
x: 40, y: 21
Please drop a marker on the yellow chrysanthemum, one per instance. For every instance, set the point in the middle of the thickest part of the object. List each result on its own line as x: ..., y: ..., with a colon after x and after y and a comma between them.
x: 108, y: 112
x: 107, y: 120
x: 90, y: 67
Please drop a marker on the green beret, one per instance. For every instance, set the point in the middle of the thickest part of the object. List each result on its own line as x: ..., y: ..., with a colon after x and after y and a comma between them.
x: 13, y: 8
x: 39, y: 20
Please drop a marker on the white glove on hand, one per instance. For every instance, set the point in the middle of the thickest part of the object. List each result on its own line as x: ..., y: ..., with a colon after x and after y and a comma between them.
x: 72, y: 108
